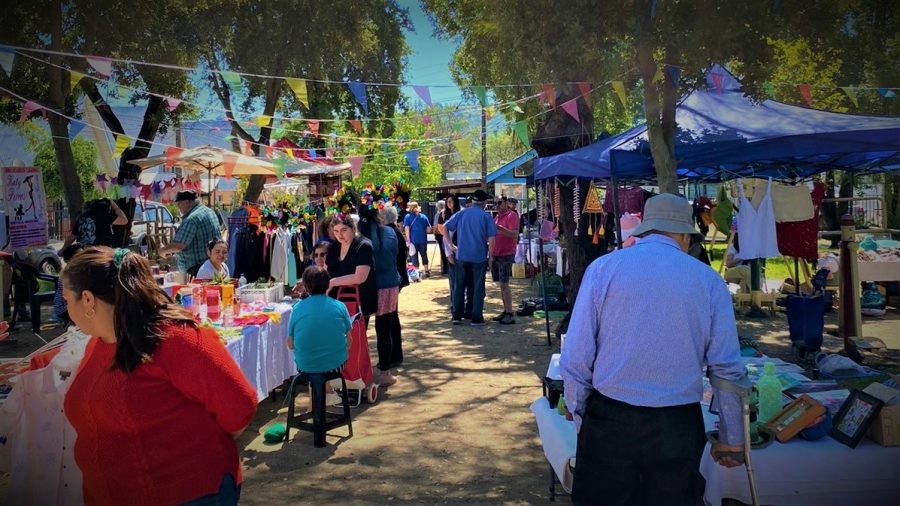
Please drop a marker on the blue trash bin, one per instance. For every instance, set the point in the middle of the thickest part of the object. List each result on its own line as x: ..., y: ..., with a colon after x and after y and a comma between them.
x: 806, y: 320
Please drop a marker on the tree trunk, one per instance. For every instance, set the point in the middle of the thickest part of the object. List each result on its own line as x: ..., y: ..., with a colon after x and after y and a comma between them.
x: 273, y: 93
x: 59, y: 126
x: 660, y: 120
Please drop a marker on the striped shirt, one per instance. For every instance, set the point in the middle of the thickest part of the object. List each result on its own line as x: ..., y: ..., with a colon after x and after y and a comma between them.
x: 645, y: 322
x: 198, y: 227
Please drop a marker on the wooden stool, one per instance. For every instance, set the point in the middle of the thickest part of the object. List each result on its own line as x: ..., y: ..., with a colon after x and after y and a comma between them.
x: 322, y: 420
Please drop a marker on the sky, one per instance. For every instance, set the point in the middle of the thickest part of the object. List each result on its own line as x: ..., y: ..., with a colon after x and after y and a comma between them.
x: 429, y: 63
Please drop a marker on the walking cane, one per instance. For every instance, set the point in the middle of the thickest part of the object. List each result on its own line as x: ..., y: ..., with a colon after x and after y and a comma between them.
x: 724, y: 385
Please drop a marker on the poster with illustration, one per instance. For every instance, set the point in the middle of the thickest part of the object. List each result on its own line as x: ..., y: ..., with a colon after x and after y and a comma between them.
x: 25, y: 205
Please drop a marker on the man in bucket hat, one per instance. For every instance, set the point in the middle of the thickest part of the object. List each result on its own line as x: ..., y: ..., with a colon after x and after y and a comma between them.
x: 646, y: 320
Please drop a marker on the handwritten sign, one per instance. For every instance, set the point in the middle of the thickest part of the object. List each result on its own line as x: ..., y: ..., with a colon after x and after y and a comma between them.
x: 26, y: 206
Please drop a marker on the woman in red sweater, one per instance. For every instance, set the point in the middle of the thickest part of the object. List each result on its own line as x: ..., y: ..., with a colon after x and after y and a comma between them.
x: 157, y: 401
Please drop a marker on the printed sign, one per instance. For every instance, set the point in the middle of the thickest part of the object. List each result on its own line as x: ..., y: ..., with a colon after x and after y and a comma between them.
x: 26, y: 206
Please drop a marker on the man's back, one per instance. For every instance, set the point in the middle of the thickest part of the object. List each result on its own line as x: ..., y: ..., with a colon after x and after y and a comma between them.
x: 658, y: 313
x: 473, y: 227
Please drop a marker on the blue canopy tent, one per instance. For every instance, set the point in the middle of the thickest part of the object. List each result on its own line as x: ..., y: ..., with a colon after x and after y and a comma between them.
x: 722, y: 134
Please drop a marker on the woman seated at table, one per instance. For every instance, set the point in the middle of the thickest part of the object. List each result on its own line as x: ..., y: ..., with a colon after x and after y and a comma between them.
x: 318, y: 328
x: 157, y: 401
x: 320, y: 253
x: 217, y: 251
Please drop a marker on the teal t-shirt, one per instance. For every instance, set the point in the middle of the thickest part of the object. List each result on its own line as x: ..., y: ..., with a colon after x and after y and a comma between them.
x: 319, y: 326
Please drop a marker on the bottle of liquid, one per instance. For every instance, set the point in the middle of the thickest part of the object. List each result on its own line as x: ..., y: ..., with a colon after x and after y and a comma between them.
x: 242, y: 281
x: 769, y: 394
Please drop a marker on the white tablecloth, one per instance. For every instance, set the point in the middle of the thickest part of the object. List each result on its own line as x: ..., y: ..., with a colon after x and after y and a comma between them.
x: 800, y: 472
x: 262, y: 353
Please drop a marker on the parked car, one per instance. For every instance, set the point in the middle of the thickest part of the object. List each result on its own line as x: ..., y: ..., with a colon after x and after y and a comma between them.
x: 45, y: 259
x: 148, y: 212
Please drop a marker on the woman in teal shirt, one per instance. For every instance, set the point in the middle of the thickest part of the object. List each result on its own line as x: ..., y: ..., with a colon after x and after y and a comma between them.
x: 319, y: 326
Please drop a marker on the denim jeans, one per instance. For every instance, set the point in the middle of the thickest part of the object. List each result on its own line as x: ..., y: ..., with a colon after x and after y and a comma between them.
x: 421, y: 251
x: 228, y: 495
x: 469, y: 277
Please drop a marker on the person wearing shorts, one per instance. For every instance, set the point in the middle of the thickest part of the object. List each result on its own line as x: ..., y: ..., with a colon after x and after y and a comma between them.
x: 507, y: 222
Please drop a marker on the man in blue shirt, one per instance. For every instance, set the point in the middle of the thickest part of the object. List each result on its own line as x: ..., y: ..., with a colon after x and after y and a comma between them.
x: 645, y: 322
x: 416, y: 227
x: 475, y: 231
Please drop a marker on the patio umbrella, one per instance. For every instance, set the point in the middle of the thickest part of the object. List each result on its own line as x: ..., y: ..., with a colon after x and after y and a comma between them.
x: 212, y: 160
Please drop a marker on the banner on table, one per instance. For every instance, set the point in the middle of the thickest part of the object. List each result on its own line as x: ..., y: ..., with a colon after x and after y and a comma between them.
x: 26, y: 206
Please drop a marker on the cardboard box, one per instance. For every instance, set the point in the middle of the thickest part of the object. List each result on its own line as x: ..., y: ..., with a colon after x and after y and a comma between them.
x: 518, y: 271
x: 885, y: 429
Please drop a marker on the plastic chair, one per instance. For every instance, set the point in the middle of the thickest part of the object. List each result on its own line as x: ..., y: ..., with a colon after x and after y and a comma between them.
x: 322, y: 420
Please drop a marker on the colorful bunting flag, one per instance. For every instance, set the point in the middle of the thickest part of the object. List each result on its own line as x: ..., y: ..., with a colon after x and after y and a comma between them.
x: 358, y: 89
x: 313, y: 153
x: 269, y: 152
x: 27, y: 109
x: 290, y: 153
x: 426, y: 119
x: 298, y: 86
x: 481, y: 93
x: 585, y: 89
x: 356, y: 163
x: 313, y: 126
x: 122, y: 143
x: 74, y: 128
x: 74, y: 78
x: 619, y: 88
x: 102, y: 65
x: 550, y: 95
x: 280, y: 164
x: 263, y: 120
x: 806, y: 93
x: 770, y: 89
x: 247, y: 148
x: 521, y: 129
x: 424, y: 93
x: 172, y: 103
x: 229, y: 160
x: 172, y: 153
x: 101, y: 181
x: 518, y: 109
x: 851, y: 94
x: 7, y: 56
x: 329, y: 153
x: 412, y: 157
x: 357, y: 125
x: 571, y: 107
x: 232, y: 79
x: 887, y: 93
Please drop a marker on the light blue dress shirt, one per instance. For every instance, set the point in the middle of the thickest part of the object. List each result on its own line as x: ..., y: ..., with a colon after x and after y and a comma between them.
x: 645, y: 322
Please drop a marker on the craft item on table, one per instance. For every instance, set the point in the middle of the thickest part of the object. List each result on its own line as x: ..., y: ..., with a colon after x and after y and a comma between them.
x: 796, y: 416
x: 837, y: 366
x: 856, y: 414
x: 576, y: 207
x: 831, y: 399
x: 756, y: 226
x: 251, y: 319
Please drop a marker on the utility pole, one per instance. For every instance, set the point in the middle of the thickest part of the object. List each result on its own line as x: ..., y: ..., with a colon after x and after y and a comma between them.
x: 483, y: 149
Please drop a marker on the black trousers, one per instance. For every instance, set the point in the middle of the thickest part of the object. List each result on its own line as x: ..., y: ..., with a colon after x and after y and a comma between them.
x: 390, y: 347
x: 634, y: 455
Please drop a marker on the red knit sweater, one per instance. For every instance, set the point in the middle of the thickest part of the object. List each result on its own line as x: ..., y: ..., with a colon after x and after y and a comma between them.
x: 162, y: 433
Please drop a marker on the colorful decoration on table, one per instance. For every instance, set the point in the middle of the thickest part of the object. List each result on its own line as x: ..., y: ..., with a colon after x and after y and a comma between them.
x: 340, y: 203
x: 376, y: 196
x: 401, y: 193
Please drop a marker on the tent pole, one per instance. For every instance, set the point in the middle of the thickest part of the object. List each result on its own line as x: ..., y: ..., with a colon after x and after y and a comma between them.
x: 544, y: 289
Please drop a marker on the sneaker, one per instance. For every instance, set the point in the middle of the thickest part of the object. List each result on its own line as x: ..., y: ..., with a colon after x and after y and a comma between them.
x: 457, y: 321
x: 478, y: 323
x: 499, y: 317
x: 507, y: 319
x: 333, y: 400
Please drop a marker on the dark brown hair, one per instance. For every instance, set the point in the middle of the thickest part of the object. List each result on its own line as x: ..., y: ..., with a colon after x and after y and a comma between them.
x: 213, y: 243
x: 345, y: 220
x: 324, y: 224
x: 315, y: 280
x: 140, y: 306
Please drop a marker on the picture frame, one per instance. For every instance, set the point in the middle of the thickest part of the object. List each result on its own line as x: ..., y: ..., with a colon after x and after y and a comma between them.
x: 794, y: 417
x: 852, y: 421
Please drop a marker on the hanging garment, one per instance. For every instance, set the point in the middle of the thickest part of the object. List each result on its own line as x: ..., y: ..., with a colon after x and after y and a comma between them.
x: 721, y: 214
x: 791, y: 202
x: 280, y: 244
x: 630, y: 200
x: 800, y: 238
x: 756, y: 226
